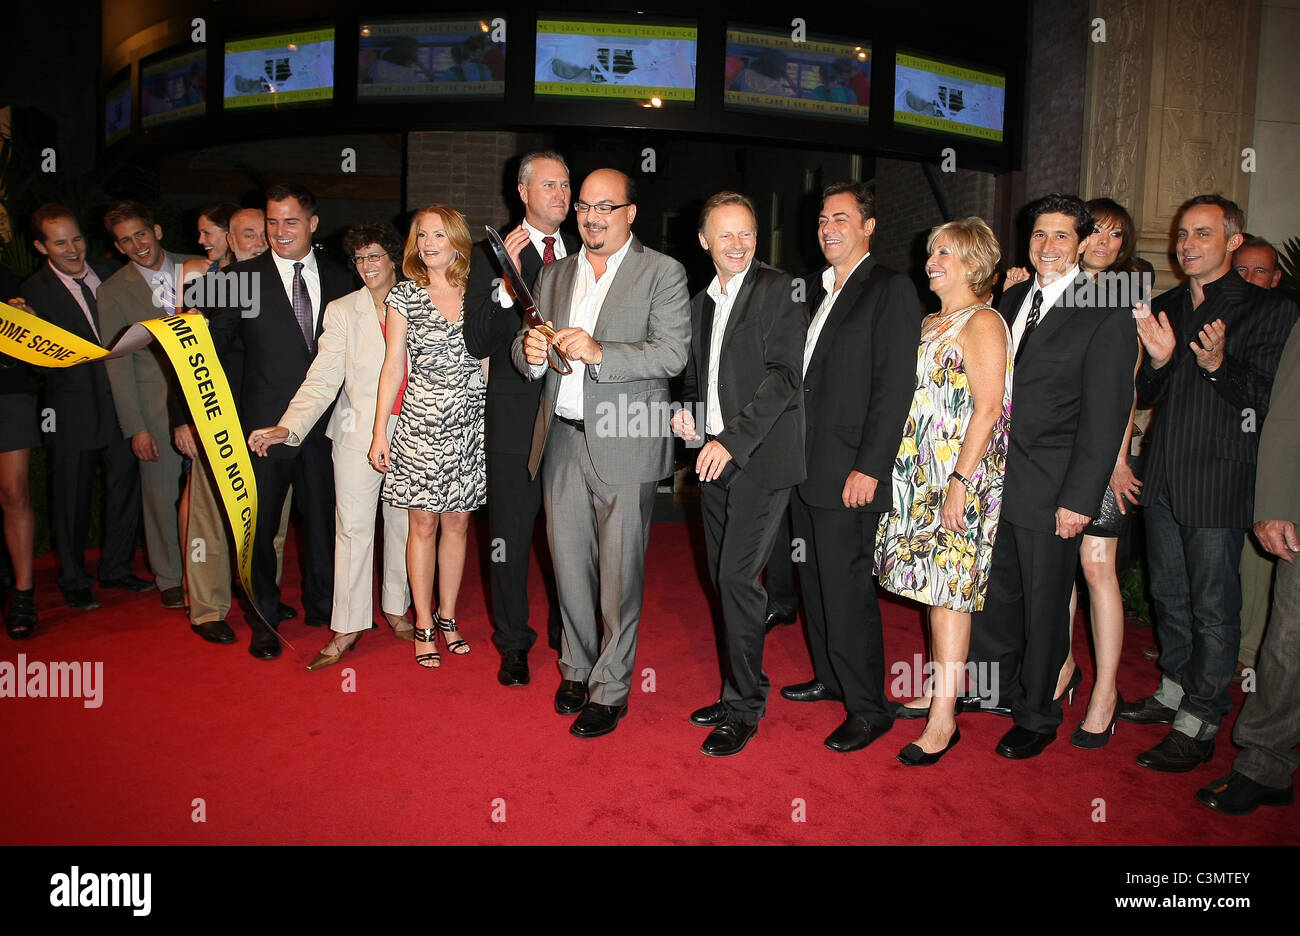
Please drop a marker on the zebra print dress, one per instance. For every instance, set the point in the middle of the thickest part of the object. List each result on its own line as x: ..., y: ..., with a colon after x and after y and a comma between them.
x: 437, y: 455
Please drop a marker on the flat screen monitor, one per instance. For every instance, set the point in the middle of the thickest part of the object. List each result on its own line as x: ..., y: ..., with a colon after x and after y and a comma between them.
x: 444, y: 59
x: 280, y: 69
x: 933, y: 95
x: 768, y: 72
x: 117, y: 110
x: 618, y: 61
x: 173, y: 87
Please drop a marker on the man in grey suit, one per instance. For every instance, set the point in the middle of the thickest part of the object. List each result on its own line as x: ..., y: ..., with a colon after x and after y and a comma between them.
x: 146, y: 288
x: 623, y: 313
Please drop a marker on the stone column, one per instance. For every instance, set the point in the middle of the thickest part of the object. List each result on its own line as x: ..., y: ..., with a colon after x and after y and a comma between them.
x: 1170, y: 106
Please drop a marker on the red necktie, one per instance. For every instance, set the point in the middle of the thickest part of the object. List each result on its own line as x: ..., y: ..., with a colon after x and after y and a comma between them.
x: 548, y: 255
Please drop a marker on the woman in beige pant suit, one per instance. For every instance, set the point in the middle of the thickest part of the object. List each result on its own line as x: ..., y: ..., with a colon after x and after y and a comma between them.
x: 350, y: 355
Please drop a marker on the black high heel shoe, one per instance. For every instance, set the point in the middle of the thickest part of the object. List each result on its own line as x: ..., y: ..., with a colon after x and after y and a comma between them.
x: 447, y: 626
x: 1072, y: 685
x: 1091, y: 742
x: 914, y: 756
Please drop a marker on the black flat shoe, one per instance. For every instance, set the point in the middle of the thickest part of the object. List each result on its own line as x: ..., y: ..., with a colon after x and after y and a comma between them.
x: 1236, y: 794
x: 728, y: 738
x: 80, y: 598
x: 514, y: 668
x: 813, y: 691
x: 1088, y: 741
x: 217, y: 632
x: 20, y: 618
x: 854, y: 734
x: 777, y: 619
x: 127, y: 583
x: 906, y: 712
x: 597, y: 720
x: 1177, y: 753
x: 570, y: 697
x: 711, y: 716
x: 1021, y: 743
x: 914, y: 756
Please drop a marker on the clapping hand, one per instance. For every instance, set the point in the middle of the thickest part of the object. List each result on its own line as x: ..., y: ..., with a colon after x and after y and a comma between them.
x: 1208, y: 346
x: 1156, y: 334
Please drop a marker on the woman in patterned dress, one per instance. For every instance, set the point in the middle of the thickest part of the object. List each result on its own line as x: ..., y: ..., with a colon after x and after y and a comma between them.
x: 436, y: 465
x: 936, y: 544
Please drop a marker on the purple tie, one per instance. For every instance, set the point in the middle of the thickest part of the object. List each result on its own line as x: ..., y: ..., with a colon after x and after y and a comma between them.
x: 302, y: 308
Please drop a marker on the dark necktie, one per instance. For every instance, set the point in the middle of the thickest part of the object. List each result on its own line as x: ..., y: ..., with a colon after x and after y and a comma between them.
x: 91, y: 305
x: 1035, y: 311
x: 548, y: 255
x: 302, y: 307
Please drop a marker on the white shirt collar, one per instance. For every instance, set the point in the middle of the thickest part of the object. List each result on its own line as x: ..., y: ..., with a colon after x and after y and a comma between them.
x: 1056, y: 288
x: 828, y: 275
x: 733, y: 286
x: 286, y: 266
x: 612, y: 264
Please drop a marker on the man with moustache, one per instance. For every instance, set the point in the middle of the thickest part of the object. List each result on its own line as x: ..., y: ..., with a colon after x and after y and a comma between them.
x: 623, y: 313
x: 859, y: 363
x: 1070, y: 402
x: 744, y: 371
x: 246, y: 236
x: 491, y: 324
x: 277, y: 344
x: 64, y: 291
x: 143, y: 381
x: 1213, y: 345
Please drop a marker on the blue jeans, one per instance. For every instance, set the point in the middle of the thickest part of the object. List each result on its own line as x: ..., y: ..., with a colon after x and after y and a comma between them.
x: 1193, y: 573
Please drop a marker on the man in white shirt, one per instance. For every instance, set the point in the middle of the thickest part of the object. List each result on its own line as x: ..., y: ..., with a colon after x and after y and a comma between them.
x: 744, y: 376
x: 624, y: 324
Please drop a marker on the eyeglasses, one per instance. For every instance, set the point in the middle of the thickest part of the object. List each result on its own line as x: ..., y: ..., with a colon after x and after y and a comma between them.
x: 368, y: 258
x: 583, y: 208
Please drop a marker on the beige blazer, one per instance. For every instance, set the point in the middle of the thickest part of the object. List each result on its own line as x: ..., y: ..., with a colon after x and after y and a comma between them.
x: 349, y: 356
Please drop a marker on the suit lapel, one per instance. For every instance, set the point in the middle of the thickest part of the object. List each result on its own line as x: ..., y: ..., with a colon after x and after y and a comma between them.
x: 1055, y: 317
x: 739, y: 306
x: 624, y: 276
x: 564, y: 294
x: 704, y: 337
x: 1012, y: 300
x: 844, y: 302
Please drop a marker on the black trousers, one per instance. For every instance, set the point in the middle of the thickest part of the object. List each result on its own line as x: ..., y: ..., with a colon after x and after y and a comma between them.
x: 73, y: 472
x: 781, y: 595
x: 311, y: 474
x: 740, y: 524
x: 514, y: 503
x: 839, y: 596
x: 1025, y: 626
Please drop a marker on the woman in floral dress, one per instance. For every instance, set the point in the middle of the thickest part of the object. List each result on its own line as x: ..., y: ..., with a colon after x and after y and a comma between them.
x: 936, y: 544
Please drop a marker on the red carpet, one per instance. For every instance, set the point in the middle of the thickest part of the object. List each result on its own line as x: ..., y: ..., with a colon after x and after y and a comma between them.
x: 280, y: 755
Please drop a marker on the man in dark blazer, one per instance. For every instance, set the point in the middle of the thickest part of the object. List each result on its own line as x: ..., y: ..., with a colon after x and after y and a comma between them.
x: 277, y: 343
x: 84, y: 427
x: 859, y: 366
x: 491, y: 323
x: 743, y: 383
x: 1070, y: 403
x: 1213, y: 346
x: 1268, y: 728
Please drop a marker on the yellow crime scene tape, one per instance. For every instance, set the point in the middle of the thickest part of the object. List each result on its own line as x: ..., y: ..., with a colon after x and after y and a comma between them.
x: 187, y: 344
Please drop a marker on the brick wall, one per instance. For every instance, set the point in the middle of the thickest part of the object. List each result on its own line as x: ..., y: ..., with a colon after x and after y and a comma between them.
x: 906, y: 209
x: 1058, y: 66
x: 472, y: 171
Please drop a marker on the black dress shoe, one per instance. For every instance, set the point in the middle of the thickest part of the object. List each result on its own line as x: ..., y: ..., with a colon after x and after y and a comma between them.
x: 570, y: 697
x: 814, y: 691
x: 1177, y: 753
x: 127, y: 582
x: 80, y: 598
x: 728, y: 738
x: 1147, y: 711
x: 217, y: 632
x: 1236, y: 794
x: 597, y: 720
x: 711, y: 716
x: 854, y: 734
x: 173, y: 597
x: 264, y: 644
x: 777, y: 619
x: 914, y: 756
x: 1021, y: 743
x: 287, y: 613
x: 514, y: 668
x: 20, y: 616
x: 979, y: 704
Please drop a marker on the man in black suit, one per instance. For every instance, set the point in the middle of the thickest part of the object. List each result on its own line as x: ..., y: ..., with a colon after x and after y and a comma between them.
x: 278, y: 343
x: 1070, y: 403
x: 1213, y: 345
x: 84, y: 429
x: 859, y: 366
x: 491, y: 323
x: 743, y: 378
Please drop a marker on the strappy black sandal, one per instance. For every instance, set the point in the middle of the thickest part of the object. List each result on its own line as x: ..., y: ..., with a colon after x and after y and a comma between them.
x: 428, y: 635
x: 448, y: 626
